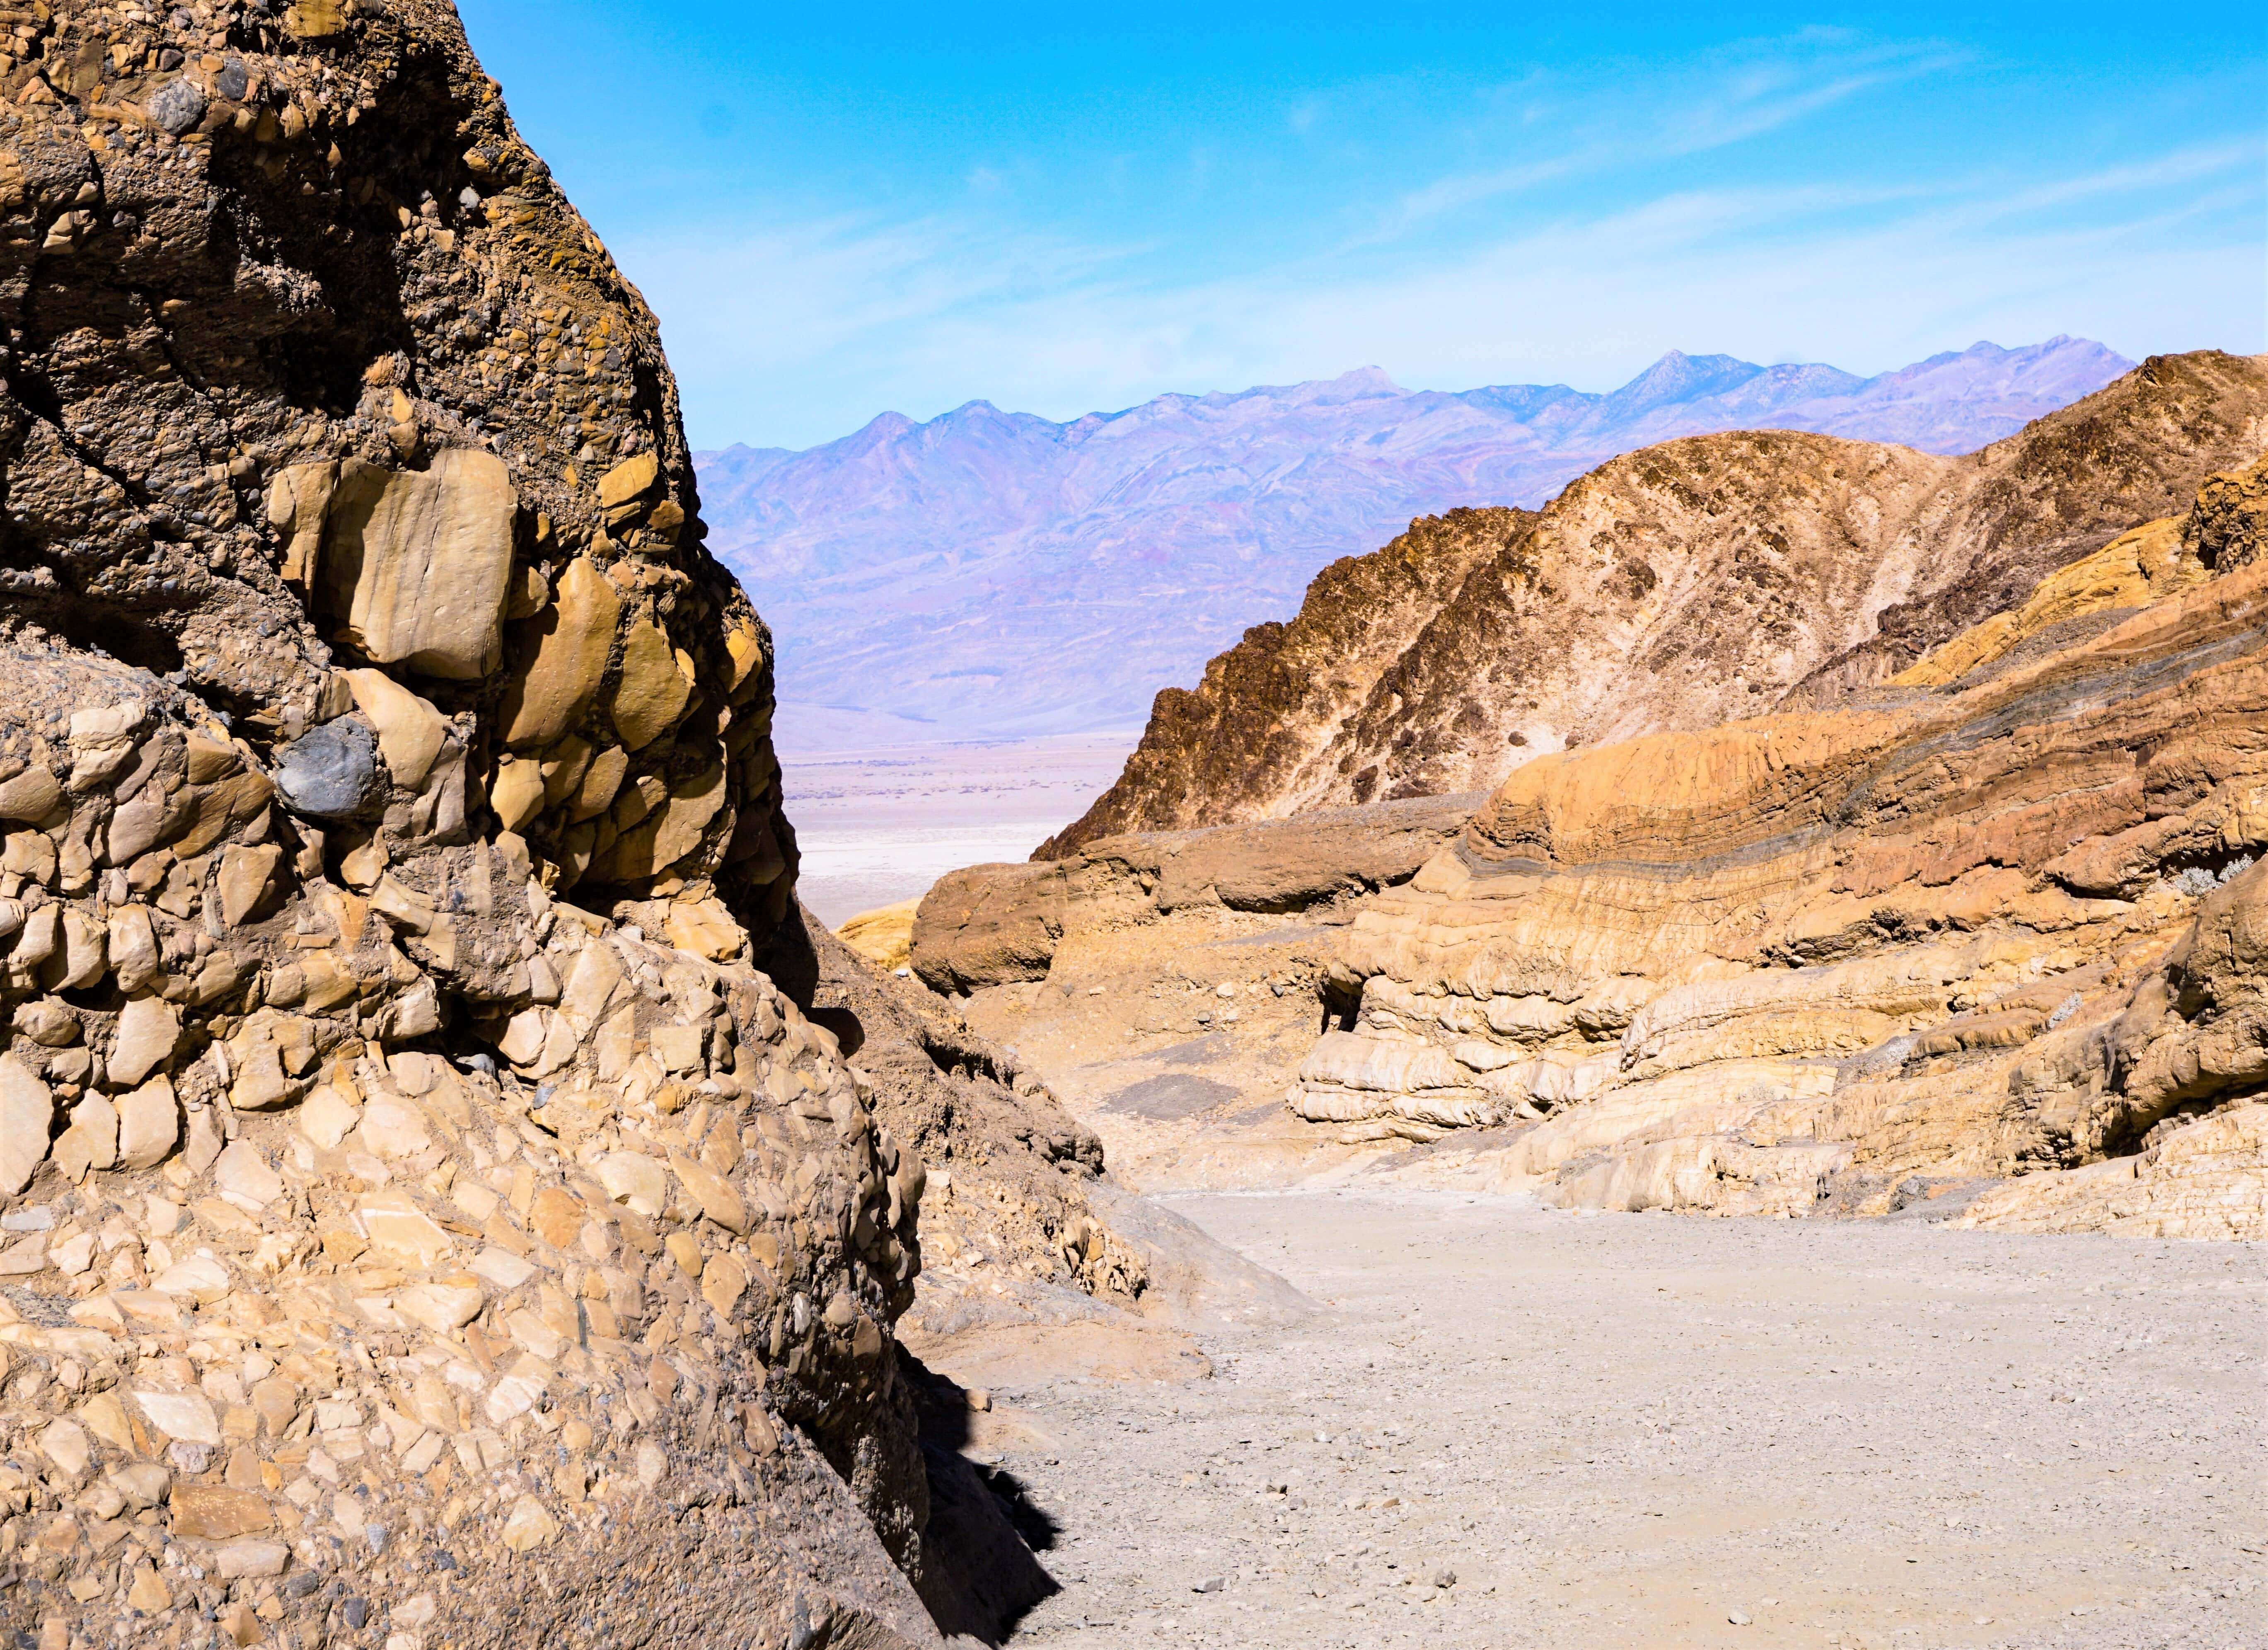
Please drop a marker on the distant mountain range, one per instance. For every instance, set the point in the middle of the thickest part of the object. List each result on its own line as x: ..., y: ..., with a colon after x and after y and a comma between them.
x: 990, y: 574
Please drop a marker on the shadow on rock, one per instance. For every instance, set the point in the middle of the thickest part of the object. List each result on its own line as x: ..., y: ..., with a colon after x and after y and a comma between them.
x: 979, y: 1574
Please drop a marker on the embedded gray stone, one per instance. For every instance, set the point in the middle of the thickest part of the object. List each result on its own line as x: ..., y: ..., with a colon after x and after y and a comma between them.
x: 178, y: 105
x: 329, y: 772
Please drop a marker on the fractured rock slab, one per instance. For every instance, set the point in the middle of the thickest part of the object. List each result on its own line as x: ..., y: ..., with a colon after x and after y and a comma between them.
x: 416, y: 563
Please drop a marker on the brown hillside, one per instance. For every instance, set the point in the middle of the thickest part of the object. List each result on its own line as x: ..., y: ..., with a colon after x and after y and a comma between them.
x: 1676, y: 587
x: 1268, y: 704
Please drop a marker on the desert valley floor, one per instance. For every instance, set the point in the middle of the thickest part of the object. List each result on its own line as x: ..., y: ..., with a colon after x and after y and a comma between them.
x: 878, y: 823
x: 1502, y: 1425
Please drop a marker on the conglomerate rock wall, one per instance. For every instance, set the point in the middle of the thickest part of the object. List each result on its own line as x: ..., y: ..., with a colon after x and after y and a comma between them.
x: 421, y: 1218
x: 2000, y: 918
x: 1675, y: 587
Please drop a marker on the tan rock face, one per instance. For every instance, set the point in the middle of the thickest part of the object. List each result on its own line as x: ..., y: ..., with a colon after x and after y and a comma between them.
x: 363, y: 1194
x: 989, y: 924
x: 2009, y: 924
x: 1676, y: 588
x: 651, y: 691
x: 565, y: 651
x: 416, y: 563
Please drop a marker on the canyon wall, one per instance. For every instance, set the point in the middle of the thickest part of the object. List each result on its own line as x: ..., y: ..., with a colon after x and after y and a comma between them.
x: 1993, y: 921
x: 1270, y: 705
x: 1674, y: 588
x: 1959, y: 927
x: 430, y: 1211
x: 995, y: 925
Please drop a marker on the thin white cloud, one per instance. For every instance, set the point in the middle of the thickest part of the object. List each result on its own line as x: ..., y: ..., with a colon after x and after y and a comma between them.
x: 858, y: 314
x: 1736, y: 95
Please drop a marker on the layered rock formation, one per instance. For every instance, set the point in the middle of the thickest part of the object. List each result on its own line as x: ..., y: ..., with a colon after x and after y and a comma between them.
x: 1269, y: 705
x: 1993, y: 919
x: 994, y: 925
x: 397, y: 1246
x: 1676, y: 587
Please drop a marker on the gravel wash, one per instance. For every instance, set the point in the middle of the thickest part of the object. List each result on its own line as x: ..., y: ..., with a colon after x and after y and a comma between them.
x: 1510, y: 1427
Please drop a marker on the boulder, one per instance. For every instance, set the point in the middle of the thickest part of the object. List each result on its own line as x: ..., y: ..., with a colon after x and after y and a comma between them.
x: 517, y: 792
x: 27, y: 1113
x: 149, y: 1029
x: 298, y: 500
x: 622, y: 487
x: 411, y: 731
x: 148, y: 1126
x: 651, y: 691
x: 30, y: 796
x: 416, y: 564
x: 329, y: 773
x: 673, y: 830
x: 563, y: 658
x: 246, y: 874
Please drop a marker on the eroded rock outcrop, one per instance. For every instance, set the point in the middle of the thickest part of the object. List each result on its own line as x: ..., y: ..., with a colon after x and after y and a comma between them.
x: 1995, y: 919
x: 1676, y: 587
x: 990, y: 924
x: 1235, y: 747
x: 424, y: 1219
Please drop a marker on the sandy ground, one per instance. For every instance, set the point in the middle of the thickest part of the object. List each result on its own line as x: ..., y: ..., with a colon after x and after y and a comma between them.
x: 880, y: 824
x: 1508, y: 1426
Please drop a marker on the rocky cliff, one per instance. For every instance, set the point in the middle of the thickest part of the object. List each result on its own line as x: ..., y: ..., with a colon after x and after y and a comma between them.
x: 994, y: 925
x: 1678, y: 587
x: 1269, y: 705
x: 1994, y: 922
x: 430, y: 1213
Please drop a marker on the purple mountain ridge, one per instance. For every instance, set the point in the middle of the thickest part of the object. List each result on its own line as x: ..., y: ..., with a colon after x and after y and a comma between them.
x: 990, y: 574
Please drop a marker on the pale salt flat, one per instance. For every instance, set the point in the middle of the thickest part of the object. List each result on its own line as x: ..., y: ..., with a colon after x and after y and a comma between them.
x: 879, y: 824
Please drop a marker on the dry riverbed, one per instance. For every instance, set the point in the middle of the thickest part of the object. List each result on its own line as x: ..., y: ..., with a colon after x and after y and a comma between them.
x: 1508, y: 1426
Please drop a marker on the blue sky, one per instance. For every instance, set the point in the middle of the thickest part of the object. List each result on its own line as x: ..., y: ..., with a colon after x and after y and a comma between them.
x: 841, y: 210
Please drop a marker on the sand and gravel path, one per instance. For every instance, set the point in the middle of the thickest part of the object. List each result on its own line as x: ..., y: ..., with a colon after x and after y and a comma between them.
x: 1650, y: 1431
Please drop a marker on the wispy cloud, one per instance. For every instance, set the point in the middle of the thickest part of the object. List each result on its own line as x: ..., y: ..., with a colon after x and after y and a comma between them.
x: 1734, y: 95
x: 798, y: 331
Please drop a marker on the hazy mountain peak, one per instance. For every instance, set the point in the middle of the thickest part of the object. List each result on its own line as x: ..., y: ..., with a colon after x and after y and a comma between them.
x: 1680, y: 377
x: 882, y: 427
x: 997, y: 572
x: 1363, y: 380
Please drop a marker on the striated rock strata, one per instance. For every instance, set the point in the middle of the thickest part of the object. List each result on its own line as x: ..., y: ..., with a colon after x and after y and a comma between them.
x: 992, y: 924
x: 424, y: 1221
x: 1997, y: 918
x: 1269, y: 705
x: 1674, y: 588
